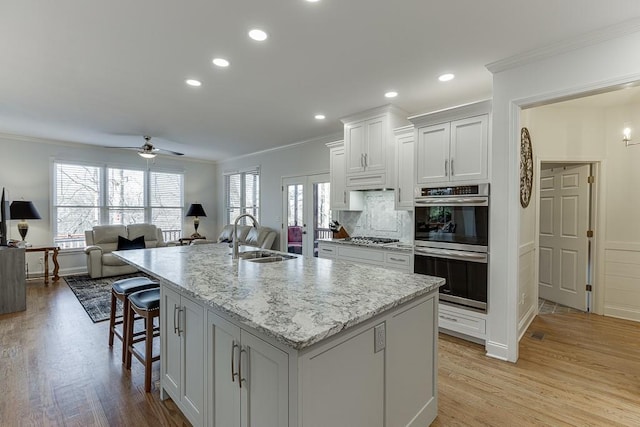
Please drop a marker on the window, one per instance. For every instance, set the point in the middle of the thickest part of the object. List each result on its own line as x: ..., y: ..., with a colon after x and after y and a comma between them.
x: 242, y: 194
x: 88, y: 195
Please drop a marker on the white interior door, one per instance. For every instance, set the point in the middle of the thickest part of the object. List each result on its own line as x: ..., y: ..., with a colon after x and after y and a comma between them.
x: 564, y: 221
x: 305, y: 211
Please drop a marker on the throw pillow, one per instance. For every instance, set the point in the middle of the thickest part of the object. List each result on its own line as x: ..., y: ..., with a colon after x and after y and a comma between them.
x: 125, y: 244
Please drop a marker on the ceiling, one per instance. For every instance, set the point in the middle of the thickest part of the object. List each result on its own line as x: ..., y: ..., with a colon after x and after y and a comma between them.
x: 106, y: 73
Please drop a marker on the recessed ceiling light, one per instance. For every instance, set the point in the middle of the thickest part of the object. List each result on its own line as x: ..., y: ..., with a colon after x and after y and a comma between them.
x: 313, y: 1
x: 446, y: 77
x: 258, y: 35
x: 319, y: 116
x: 391, y: 94
x: 220, y: 62
x: 194, y: 83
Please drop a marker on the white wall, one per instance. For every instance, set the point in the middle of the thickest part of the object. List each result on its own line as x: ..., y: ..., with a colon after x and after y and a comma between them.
x: 25, y: 172
x: 299, y: 159
x: 537, y: 78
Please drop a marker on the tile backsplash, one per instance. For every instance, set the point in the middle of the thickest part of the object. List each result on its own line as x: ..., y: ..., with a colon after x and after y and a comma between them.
x: 378, y: 218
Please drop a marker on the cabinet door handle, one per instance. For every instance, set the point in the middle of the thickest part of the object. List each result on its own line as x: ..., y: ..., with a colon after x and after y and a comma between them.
x: 452, y: 173
x: 233, y: 356
x: 240, y: 379
x: 399, y: 194
x: 175, y: 323
x: 366, y: 161
x: 344, y: 196
x: 446, y: 164
x: 361, y: 159
x: 180, y: 331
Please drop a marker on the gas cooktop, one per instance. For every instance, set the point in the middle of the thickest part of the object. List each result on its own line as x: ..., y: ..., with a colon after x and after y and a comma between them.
x: 371, y: 241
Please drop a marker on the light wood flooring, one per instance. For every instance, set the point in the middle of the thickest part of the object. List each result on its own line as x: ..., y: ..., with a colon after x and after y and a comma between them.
x: 574, y: 369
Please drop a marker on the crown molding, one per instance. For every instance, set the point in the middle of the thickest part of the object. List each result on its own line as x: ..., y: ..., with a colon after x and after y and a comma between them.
x: 363, y: 115
x: 453, y: 113
x: 574, y: 43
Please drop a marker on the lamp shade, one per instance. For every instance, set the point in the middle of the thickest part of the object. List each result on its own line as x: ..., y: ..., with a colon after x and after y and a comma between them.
x: 21, y: 209
x: 196, y: 210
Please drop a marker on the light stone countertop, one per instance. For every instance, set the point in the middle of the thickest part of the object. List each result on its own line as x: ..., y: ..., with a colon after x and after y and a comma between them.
x: 298, y: 302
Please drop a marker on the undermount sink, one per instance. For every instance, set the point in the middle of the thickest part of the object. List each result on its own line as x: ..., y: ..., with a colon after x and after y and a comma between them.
x: 264, y: 256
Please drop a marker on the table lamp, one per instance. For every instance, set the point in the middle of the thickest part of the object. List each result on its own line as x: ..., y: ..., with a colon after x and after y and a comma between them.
x: 196, y: 210
x: 23, y: 210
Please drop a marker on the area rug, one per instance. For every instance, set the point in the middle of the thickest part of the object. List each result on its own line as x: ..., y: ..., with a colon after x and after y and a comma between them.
x: 95, y: 294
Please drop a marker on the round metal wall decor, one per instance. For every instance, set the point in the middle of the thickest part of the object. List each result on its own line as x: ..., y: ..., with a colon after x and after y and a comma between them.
x: 526, y: 167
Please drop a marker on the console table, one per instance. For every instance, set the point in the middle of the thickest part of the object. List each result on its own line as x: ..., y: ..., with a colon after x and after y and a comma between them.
x: 54, y: 257
x: 13, y: 289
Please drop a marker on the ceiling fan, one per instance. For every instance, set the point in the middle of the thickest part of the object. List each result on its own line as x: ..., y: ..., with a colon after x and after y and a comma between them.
x: 148, y: 151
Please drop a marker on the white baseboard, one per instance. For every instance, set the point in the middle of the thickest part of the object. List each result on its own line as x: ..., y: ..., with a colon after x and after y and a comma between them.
x: 497, y: 351
x: 526, y: 321
x: 622, y: 313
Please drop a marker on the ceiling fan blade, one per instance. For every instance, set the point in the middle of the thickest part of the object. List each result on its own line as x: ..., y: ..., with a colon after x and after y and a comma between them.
x: 162, y: 150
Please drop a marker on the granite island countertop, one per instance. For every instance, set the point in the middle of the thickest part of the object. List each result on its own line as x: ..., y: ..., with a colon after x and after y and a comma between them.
x: 299, y: 302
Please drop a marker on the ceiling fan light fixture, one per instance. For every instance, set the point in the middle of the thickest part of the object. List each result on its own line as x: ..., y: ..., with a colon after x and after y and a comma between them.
x: 146, y: 154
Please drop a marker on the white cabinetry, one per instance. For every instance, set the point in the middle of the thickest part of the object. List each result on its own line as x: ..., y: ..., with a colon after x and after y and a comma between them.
x: 380, y: 374
x: 182, y: 353
x: 460, y: 321
x: 453, y: 145
x: 370, y: 148
x: 247, y: 378
x: 341, y: 198
x: 381, y: 257
x: 404, y: 167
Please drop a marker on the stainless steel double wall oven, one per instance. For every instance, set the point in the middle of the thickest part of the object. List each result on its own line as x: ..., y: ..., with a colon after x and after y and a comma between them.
x: 451, y: 234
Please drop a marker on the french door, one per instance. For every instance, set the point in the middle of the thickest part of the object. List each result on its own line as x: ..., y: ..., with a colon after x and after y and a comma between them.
x: 305, y: 213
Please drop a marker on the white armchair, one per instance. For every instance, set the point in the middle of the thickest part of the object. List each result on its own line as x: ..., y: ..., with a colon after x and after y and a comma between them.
x: 103, y: 239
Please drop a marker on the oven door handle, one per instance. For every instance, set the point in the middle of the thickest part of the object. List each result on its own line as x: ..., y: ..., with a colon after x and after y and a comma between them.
x: 463, y: 256
x: 465, y: 201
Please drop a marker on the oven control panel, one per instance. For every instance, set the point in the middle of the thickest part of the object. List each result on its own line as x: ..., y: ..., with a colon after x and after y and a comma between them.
x: 463, y: 190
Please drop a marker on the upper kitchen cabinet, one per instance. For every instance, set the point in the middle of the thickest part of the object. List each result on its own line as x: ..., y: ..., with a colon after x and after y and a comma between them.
x: 341, y: 198
x: 404, y: 167
x: 370, y: 148
x: 453, y: 145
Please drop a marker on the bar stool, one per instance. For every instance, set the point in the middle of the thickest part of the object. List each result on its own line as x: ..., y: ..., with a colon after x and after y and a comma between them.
x: 120, y: 290
x: 145, y: 304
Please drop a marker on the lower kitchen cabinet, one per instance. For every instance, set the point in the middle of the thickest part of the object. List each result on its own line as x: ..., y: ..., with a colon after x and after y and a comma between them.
x: 458, y: 320
x: 247, y: 377
x: 383, y: 374
x: 381, y: 257
x: 182, y: 353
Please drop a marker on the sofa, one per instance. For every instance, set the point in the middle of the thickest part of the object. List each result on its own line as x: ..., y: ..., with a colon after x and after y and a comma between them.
x: 104, y: 239
x: 261, y: 237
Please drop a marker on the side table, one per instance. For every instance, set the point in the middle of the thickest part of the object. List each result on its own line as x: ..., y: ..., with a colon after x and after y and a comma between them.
x: 54, y: 257
x: 188, y: 240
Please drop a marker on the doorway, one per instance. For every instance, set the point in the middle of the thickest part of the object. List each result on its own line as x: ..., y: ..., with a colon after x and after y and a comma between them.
x: 305, y: 213
x: 565, y: 233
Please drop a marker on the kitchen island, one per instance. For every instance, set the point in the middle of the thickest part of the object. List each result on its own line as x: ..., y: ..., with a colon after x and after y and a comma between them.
x: 300, y: 342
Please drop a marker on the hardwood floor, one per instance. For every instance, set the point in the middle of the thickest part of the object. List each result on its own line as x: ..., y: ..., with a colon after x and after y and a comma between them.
x: 585, y: 371
x: 56, y: 369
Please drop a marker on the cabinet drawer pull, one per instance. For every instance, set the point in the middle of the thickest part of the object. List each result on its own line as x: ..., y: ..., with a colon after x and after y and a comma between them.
x: 240, y: 379
x: 453, y: 319
x: 397, y: 259
x: 327, y: 250
x: 233, y: 356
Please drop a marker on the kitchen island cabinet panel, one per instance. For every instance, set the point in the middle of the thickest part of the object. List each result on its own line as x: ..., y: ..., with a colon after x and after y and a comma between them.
x: 248, y: 378
x: 182, y: 353
x: 344, y: 385
x: 411, y: 393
